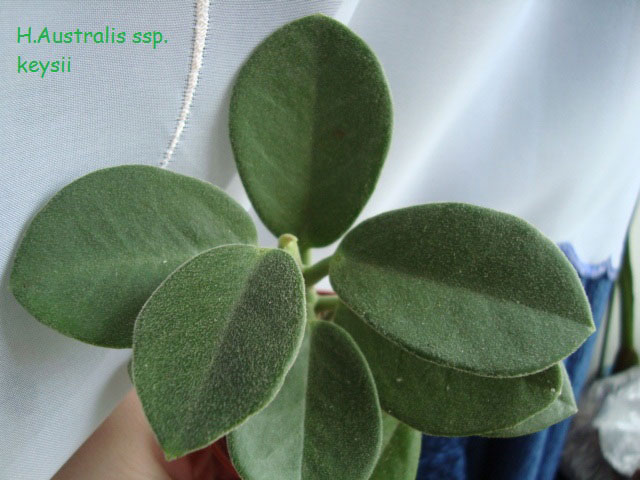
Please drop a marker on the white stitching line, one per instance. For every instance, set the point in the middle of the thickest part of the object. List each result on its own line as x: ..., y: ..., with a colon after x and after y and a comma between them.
x: 202, y: 24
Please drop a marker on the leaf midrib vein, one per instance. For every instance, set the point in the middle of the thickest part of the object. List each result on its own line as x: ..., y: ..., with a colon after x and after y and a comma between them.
x: 465, y: 289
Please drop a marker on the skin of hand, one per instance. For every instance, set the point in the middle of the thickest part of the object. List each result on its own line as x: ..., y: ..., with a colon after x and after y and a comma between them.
x: 124, y: 447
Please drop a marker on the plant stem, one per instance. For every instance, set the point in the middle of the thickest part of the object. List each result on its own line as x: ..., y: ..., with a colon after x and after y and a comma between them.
x: 626, y: 291
x: 289, y: 243
x: 627, y: 356
x: 311, y: 298
x: 305, y: 254
x: 326, y: 302
x: 316, y: 272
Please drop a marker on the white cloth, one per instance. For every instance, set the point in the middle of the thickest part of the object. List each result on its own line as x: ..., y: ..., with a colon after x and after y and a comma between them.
x: 531, y: 107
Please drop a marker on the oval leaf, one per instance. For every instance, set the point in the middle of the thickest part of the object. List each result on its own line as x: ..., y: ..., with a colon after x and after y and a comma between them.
x: 93, y: 255
x: 563, y: 407
x: 325, y: 421
x: 465, y: 287
x: 400, y: 451
x: 214, y: 342
x: 310, y: 124
x: 442, y: 401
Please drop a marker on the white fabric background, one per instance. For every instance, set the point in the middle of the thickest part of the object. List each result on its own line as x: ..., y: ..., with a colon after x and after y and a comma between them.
x: 531, y: 107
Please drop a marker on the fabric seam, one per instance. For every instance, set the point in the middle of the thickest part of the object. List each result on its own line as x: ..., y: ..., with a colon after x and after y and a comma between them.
x: 199, y: 40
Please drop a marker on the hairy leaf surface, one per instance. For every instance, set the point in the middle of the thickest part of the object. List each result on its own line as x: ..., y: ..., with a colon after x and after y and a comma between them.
x: 400, y: 451
x: 213, y: 344
x: 310, y: 124
x: 442, y: 401
x: 563, y: 407
x: 96, y: 251
x: 324, y: 423
x: 465, y: 287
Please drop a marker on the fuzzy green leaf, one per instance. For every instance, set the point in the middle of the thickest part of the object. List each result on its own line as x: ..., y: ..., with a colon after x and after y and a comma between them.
x: 310, y: 124
x: 563, y: 407
x: 324, y: 423
x: 465, y: 287
x: 442, y: 401
x: 400, y: 451
x: 96, y: 251
x: 213, y: 344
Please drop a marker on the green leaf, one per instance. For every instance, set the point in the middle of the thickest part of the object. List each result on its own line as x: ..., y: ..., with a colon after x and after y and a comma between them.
x: 324, y: 423
x: 563, y: 407
x: 400, y: 451
x: 465, y: 287
x: 442, y: 401
x: 310, y: 124
x: 213, y: 344
x: 96, y: 251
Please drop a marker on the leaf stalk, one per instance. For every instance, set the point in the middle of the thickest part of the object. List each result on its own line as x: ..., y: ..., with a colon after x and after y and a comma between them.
x: 316, y: 272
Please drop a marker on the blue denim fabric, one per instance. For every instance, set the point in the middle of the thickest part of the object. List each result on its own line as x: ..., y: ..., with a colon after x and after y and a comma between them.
x: 532, y: 457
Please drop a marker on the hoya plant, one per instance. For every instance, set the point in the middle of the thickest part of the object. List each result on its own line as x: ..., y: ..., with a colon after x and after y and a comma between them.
x: 447, y: 318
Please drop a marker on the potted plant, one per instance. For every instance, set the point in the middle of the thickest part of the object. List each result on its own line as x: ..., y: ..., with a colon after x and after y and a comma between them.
x: 448, y: 319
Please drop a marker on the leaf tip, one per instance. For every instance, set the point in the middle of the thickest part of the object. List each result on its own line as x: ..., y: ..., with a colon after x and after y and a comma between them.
x: 171, y: 456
